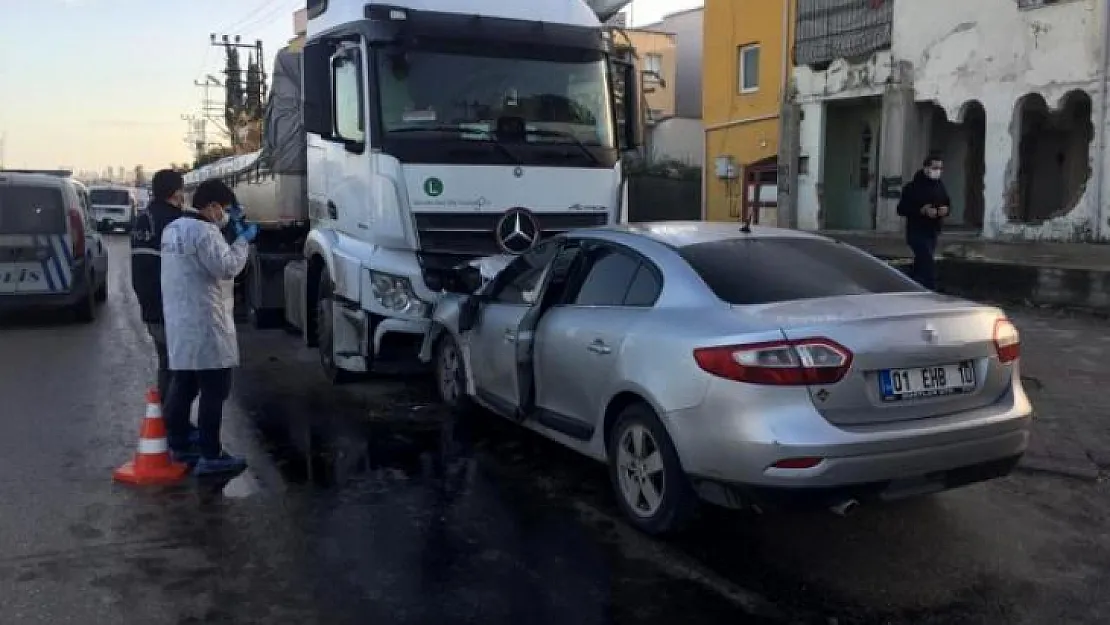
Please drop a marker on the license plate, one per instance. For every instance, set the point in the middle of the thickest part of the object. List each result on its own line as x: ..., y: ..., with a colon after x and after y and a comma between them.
x: 934, y: 381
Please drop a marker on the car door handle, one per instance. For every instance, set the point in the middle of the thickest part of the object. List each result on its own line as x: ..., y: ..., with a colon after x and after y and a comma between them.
x: 333, y: 210
x: 510, y: 335
x: 599, y: 347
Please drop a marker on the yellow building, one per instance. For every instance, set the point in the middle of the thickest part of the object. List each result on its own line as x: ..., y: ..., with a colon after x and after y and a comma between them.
x: 746, y: 57
x: 657, y: 52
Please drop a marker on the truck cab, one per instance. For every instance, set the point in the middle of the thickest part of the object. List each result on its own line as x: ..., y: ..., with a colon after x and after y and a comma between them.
x: 440, y: 131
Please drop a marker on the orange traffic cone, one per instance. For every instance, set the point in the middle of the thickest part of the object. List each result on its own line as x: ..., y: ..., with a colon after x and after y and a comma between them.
x: 152, y: 463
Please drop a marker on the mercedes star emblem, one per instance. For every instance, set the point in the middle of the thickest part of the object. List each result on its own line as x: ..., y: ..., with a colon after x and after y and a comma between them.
x: 517, y: 231
x: 518, y: 172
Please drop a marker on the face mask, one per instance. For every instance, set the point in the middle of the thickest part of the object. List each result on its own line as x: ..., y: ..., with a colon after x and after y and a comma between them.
x: 224, y: 220
x: 933, y: 173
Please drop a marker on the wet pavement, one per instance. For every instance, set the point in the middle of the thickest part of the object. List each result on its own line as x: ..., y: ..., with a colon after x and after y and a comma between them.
x: 369, y: 504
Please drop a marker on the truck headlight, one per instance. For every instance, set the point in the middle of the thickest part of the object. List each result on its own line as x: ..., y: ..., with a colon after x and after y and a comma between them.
x: 396, y: 295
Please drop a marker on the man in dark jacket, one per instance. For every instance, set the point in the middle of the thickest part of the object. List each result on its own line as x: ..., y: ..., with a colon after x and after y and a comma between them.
x: 168, y: 191
x: 925, y: 204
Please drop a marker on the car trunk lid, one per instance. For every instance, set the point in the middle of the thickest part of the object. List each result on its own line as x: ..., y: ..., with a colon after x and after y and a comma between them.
x: 914, y: 355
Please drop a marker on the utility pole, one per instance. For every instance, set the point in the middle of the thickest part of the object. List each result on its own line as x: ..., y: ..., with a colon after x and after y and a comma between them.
x: 197, y: 138
x: 238, y: 81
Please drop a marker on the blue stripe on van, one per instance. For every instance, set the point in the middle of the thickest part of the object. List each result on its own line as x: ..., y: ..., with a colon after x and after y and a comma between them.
x: 45, y: 265
x: 66, y: 249
x: 61, y: 251
x: 54, y: 257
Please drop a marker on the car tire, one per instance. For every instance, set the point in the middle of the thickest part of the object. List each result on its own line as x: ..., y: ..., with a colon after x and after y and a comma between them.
x: 325, y: 335
x: 85, y: 309
x: 451, y: 374
x: 650, y: 485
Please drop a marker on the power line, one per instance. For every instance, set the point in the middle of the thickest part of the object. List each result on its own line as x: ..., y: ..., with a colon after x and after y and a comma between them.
x: 261, y: 20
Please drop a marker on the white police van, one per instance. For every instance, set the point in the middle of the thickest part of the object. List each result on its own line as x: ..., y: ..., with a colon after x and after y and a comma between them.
x: 50, y: 252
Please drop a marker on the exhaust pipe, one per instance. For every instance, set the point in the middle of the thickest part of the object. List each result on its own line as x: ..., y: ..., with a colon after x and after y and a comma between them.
x: 845, y: 507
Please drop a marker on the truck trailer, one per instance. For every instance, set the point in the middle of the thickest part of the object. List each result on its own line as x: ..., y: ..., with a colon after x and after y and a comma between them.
x: 407, y: 138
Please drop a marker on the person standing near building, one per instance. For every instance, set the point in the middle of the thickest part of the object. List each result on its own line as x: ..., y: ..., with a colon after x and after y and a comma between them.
x: 168, y: 191
x: 925, y: 204
x: 198, y: 272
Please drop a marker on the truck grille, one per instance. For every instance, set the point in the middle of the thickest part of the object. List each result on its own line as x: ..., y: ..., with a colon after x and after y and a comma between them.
x: 472, y: 234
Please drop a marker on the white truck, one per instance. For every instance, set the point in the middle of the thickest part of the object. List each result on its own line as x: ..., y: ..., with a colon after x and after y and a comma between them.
x: 407, y: 138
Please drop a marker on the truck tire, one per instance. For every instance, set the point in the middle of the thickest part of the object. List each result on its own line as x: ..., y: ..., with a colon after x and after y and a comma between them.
x: 325, y: 335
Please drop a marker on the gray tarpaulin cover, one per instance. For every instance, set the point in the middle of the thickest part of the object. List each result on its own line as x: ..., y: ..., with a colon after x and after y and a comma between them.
x: 283, y: 143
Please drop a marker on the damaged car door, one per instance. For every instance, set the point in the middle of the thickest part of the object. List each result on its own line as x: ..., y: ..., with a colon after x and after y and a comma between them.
x: 499, y: 312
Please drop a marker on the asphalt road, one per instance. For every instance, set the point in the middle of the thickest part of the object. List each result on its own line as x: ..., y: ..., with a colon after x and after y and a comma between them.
x: 369, y: 504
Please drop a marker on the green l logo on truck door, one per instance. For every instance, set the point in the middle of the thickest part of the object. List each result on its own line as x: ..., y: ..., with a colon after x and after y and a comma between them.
x: 433, y: 187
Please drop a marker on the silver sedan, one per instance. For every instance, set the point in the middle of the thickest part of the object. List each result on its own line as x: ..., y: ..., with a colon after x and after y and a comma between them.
x: 703, y: 362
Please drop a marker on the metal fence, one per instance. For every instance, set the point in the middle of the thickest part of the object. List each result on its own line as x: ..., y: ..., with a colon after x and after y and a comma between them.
x: 830, y: 29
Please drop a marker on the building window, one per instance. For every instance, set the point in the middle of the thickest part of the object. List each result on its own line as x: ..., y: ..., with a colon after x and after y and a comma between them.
x: 748, y: 63
x: 653, y: 66
x: 866, y: 144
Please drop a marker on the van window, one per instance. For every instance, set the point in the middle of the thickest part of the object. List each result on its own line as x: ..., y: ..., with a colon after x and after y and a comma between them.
x: 31, y: 210
x: 110, y: 197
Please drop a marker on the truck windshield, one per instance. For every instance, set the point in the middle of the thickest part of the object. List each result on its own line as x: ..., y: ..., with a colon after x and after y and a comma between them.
x: 562, y: 101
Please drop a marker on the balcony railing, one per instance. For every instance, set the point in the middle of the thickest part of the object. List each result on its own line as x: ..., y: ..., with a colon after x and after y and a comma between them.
x: 830, y: 29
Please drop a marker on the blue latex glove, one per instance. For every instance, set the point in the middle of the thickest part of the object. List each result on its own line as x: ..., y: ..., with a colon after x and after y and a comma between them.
x: 235, y: 212
x: 246, y: 231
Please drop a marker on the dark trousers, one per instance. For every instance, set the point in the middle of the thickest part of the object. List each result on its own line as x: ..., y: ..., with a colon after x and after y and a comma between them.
x: 213, y: 386
x: 924, y: 246
x: 158, y: 335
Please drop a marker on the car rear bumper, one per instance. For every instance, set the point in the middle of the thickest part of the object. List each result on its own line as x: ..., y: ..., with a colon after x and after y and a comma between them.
x: 10, y: 302
x: 738, y: 445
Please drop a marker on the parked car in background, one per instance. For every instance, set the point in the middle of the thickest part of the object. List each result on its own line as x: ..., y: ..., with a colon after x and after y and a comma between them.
x: 50, y: 253
x: 703, y: 361
x: 113, y: 207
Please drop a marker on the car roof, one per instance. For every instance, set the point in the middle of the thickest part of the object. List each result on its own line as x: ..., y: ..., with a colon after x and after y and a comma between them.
x: 678, y: 234
x: 33, y: 179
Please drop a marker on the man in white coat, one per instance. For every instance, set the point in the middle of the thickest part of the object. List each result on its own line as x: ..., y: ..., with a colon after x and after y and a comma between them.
x: 198, y: 272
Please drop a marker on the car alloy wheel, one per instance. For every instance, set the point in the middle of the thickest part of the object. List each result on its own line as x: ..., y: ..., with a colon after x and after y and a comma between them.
x: 641, y: 471
x: 647, y: 476
x: 451, y: 373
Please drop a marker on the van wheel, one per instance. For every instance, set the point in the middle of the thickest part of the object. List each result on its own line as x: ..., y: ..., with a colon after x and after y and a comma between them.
x: 102, y: 292
x: 85, y: 310
x: 651, y: 487
x: 325, y: 334
x: 450, y: 368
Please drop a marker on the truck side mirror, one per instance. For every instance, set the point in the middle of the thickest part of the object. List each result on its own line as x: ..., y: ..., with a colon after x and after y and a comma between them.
x: 316, y: 87
x: 632, y: 128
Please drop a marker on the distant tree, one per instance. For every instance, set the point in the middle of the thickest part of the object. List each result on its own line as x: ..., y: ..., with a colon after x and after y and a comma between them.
x: 233, y: 98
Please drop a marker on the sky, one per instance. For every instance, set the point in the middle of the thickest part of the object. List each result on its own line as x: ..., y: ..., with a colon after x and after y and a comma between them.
x: 90, y: 84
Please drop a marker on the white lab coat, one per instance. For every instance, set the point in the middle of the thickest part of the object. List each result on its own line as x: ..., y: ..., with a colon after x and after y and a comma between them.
x: 198, y: 273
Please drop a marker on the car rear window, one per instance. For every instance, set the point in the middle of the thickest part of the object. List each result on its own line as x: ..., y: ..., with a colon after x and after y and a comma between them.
x: 109, y: 197
x: 31, y: 210
x: 764, y: 270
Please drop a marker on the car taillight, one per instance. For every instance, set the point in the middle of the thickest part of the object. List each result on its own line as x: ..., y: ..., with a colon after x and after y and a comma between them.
x: 1007, y: 341
x: 77, y: 233
x: 778, y: 363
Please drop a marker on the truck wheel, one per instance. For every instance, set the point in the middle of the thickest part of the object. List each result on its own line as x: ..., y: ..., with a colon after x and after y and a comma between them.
x: 651, y: 487
x: 325, y: 334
